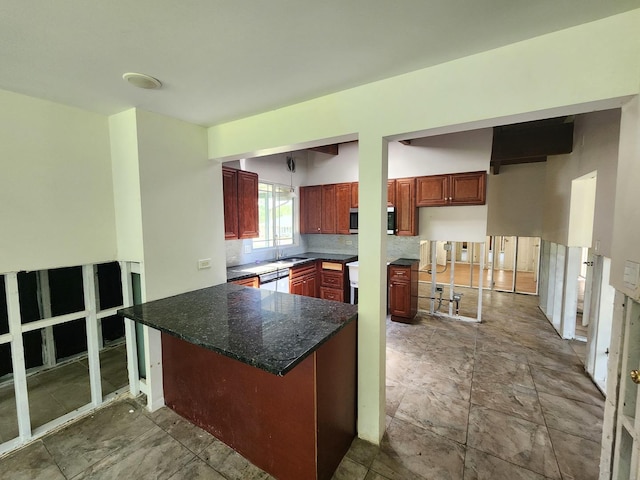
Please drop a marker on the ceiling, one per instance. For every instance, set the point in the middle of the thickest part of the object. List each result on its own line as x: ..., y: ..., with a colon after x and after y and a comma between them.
x: 221, y: 60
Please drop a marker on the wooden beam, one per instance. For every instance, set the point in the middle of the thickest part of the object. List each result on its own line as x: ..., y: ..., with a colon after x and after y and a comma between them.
x: 328, y: 149
x: 532, y: 140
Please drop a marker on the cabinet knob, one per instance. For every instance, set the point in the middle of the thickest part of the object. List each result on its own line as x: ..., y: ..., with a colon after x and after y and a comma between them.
x: 635, y: 376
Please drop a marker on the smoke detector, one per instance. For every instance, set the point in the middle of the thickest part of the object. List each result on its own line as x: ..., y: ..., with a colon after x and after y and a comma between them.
x: 141, y: 80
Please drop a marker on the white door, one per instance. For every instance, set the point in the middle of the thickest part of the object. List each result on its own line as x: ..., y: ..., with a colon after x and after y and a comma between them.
x: 625, y: 410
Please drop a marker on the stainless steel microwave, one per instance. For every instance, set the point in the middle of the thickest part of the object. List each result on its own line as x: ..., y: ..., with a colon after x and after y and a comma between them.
x: 391, y: 220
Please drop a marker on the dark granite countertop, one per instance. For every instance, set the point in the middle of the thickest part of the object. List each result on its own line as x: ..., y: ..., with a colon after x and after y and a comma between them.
x: 404, y: 262
x: 249, y: 270
x: 269, y: 330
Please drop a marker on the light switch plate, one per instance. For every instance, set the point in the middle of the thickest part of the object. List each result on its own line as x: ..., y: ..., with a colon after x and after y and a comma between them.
x: 204, y: 263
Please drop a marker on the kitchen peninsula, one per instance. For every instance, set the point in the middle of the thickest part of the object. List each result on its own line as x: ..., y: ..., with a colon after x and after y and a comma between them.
x: 272, y: 375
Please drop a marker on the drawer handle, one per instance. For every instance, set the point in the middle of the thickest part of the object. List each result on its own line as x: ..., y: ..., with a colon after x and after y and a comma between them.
x: 635, y: 376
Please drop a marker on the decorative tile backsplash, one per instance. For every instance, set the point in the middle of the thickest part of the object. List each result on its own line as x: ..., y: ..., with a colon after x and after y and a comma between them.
x: 240, y: 252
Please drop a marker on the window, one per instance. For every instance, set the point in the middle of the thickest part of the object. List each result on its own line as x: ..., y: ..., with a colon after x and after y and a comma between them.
x: 275, y: 208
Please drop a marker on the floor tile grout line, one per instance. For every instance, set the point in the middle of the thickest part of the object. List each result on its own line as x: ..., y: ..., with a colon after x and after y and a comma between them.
x: 53, y: 459
x: 546, y: 425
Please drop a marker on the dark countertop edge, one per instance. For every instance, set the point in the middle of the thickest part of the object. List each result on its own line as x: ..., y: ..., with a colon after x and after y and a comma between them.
x: 404, y: 262
x: 247, y: 361
x: 310, y: 256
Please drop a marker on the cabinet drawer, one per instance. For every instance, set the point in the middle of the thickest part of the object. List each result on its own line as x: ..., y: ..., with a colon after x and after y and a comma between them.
x: 308, y: 269
x: 332, y: 279
x: 248, y: 282
x: 399, y: 273
x: 331, y: 294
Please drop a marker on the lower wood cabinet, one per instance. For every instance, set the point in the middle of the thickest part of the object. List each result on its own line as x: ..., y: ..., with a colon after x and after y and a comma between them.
x: 248, y: 282
x: 303, y: 280
x: 333, y: 282
x: 403, y: 291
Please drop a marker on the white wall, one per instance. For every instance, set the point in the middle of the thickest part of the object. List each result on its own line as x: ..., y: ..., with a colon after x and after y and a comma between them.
x: 468, y: 151
x: 596, y: 138
x: 515, y: 200
x: 56, y: 197
x: 123, y: 135
x: 459, y: 224
x: 273, y: 168
x: 182, y: 215
x: 453, y: 153
x: 324, y: 169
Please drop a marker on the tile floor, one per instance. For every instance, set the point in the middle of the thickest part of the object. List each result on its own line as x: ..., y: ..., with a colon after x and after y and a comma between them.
x: 506, y: 400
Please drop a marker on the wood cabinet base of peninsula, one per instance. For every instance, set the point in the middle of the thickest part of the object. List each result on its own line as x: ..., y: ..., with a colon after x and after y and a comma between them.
x: 298, y: 426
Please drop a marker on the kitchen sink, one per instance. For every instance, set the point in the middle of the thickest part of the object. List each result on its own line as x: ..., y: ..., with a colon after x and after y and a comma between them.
x: 292, y: 260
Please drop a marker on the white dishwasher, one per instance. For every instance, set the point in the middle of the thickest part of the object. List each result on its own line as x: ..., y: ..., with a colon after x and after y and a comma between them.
x: 277, y: 281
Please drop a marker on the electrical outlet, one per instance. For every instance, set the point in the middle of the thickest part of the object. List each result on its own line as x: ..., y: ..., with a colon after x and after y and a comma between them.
x: 247, y: 249
x: 349, y: 242
x: 204, y: 263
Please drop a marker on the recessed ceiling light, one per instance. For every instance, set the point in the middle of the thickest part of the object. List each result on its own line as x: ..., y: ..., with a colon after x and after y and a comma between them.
x: 141, y: 80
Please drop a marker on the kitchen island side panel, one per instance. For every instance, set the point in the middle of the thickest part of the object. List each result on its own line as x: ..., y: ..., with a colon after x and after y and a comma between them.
x: 268, y: 419
x: 336, y: 377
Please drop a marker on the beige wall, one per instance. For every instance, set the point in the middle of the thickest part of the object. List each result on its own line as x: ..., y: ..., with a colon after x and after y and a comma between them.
x: 515, y: 200
x: 182, y: 214
x: 56, y: 196
x: 595, y: 149
x: 626, y: 230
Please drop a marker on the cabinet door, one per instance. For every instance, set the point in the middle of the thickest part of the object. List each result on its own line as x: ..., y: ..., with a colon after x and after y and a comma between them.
x: 432, y: 191
x: 406, y: 211
x: 468, y: 188
x: 400, y: 298
x: 297, y: 286
x: 354, y: 195
x: 230, y: 196
x: 328, y: 214
x: 311, y: 285
x: 343, y: 204
x: 310, y: 209
x: 247, y: 205
x: 391, y: 193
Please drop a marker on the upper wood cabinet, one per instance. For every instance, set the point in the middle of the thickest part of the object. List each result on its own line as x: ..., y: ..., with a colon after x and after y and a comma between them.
x: 468, y: 188
x: 248, y: 222
x: 240, y: 193
x: 230, y: 194
x: 354, y: 195
x: 343, y: 204
x: 328, y: 215
x: 391, y: 193
x: 454, y: 189
x: 406, y: 211
x: 311, y: 209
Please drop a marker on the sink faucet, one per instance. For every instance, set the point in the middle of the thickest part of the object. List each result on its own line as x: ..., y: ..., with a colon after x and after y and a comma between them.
x: 277, y: 247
